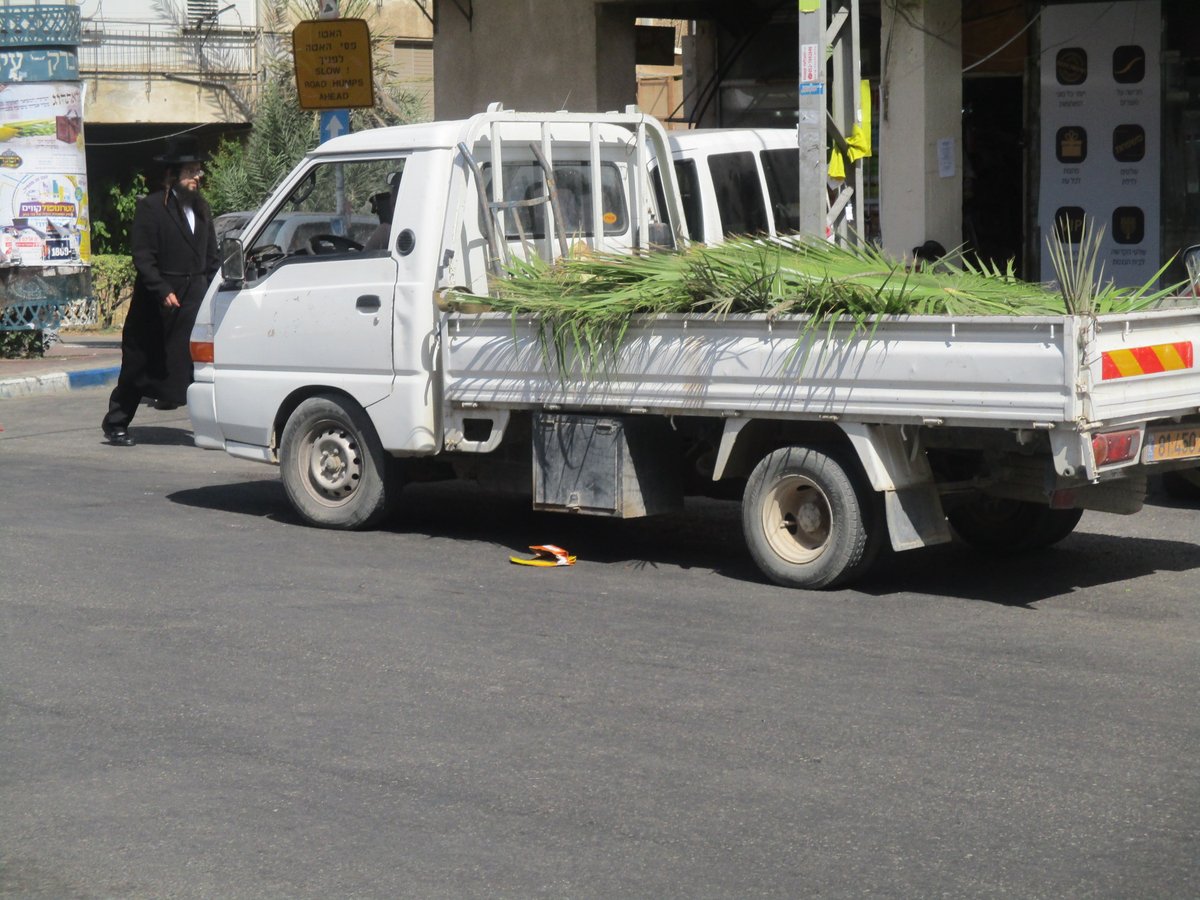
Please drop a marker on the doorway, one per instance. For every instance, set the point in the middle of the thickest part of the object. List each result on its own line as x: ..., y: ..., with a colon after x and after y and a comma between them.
x: 993, y: 175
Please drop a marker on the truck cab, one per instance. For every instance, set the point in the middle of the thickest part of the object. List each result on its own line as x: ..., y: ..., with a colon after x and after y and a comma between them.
x: 336, y: 317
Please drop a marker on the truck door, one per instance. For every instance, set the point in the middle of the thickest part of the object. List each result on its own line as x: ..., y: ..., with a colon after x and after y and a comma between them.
x: 316, y: 306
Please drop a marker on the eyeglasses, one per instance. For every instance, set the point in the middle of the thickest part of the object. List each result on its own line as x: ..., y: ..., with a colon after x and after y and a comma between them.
x: 191, y: 172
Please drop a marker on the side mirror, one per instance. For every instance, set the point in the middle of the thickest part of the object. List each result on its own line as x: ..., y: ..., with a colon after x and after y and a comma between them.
x: 1191, y: 259
x: 233, y: 260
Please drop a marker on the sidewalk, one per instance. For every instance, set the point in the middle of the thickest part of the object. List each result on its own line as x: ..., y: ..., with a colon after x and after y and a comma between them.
x: 79, y: 359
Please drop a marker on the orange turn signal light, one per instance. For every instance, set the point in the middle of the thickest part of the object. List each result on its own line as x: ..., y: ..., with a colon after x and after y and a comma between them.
x: 202, y: 351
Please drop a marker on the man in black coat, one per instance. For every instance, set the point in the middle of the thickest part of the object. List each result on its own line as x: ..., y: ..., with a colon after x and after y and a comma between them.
x: 175, y: 254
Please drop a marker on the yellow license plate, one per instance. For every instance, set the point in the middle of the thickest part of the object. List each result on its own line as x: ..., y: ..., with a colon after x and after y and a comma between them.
x: 1171, y: 443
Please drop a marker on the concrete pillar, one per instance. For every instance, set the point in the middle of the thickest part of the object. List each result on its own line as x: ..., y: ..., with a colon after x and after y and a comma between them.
x: 920, y: 134
x: 616, y: 59
x: 699, y: 65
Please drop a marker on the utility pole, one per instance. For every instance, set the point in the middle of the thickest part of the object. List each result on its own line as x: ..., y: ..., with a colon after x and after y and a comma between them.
x: 829, y: 108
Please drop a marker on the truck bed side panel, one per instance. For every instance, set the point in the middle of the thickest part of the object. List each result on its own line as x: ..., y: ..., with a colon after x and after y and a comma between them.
x: 982, y: 370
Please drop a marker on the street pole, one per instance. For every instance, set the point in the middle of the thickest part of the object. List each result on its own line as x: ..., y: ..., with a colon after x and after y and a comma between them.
x: 829, y: 109
x: 814, y: 202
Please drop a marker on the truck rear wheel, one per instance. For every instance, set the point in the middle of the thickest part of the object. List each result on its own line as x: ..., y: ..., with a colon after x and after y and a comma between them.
x: 806, y: 523
x: 334, y: 469
x: 997, y: 525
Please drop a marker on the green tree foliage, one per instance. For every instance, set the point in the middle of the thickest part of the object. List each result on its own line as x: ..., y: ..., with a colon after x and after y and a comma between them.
x: 112, y: 286
x: 243, y: 173
x: 112, y: 217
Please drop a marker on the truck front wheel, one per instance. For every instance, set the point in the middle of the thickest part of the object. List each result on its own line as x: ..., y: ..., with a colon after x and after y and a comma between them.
x: 805, y: 522
x: 997, y: 525
x: 334, y: 469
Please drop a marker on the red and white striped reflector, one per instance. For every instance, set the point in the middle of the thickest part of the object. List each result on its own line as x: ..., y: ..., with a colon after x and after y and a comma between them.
x: 1146, y: 360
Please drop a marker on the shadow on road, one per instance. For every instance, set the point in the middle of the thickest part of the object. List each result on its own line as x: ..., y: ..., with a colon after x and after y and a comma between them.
x: 263, y: 498
x: 160, y: 436
x: 708, y: 536
x: 1082, y: 561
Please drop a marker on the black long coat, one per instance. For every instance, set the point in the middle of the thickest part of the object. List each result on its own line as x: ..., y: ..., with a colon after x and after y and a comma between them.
x: 169, y: 258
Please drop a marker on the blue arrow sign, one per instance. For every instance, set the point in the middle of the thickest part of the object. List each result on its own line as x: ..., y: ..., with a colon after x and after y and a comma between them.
x: 334, y: 122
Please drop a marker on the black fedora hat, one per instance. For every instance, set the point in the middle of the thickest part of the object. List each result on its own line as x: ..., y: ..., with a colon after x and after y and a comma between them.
x: 182, y: 148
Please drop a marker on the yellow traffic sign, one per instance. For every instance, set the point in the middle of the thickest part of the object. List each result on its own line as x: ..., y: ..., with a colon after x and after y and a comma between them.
x: 333, y: 63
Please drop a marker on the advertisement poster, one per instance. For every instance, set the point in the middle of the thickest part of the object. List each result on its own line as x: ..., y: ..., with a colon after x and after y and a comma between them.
x: 43, y: 181
x: 1100, y: 146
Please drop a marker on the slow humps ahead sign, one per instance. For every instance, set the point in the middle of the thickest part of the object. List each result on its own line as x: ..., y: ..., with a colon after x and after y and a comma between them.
x: 333, y: 63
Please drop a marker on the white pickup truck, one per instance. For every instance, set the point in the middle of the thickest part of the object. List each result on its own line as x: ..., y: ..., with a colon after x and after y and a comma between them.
x: 347, y: 368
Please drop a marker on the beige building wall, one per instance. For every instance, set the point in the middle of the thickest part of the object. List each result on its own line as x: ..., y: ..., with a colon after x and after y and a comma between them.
x: 408, y: 33
x: 139, y: 101
x: 533, y: 55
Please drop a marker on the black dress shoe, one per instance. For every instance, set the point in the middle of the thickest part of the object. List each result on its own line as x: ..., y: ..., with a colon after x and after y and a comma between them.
x: 165, y: 404
x: 119, y: 437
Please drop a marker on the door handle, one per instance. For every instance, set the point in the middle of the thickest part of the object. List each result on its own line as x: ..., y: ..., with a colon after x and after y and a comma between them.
x: 367, y: 303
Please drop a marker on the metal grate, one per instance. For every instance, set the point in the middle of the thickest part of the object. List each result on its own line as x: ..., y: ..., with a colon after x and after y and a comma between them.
x: 39, y: 26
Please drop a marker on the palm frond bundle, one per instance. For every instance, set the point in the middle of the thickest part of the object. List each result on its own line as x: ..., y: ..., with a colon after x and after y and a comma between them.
x: 587, y: 303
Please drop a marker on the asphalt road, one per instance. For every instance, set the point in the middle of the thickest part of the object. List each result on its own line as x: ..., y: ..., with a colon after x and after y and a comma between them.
x: 201, y: 698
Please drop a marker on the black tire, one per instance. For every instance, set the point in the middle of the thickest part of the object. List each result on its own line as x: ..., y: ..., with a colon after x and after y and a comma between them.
x: 806, y: 522
x: 1001, y: 526
x: 1183, y: 484
x: 334, y: 469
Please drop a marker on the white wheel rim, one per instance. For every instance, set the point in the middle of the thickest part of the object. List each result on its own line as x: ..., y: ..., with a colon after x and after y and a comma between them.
x: 332, y: 465
x: 797, y: 519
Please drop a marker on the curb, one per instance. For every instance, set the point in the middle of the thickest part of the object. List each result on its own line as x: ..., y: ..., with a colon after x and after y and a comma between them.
x: 57, y: 382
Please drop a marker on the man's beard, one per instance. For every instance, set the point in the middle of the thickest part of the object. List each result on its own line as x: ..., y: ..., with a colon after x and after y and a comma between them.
x: 186, y: 194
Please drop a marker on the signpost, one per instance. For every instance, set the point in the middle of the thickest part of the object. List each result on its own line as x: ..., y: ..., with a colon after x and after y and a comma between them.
x: 333, y: 64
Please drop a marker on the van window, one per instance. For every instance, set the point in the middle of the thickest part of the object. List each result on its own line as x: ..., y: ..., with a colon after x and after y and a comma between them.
x: 523, y: 181
x: 739, y: 193
x: 339, y: 200
x: 782, y: 171
x: 689, y: 192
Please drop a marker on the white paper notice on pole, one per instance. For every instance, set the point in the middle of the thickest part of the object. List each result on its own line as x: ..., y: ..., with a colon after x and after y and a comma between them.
x: 810, y: 63
x: 1101, y: 132
x: 945, y: 157
x: 43, y: 181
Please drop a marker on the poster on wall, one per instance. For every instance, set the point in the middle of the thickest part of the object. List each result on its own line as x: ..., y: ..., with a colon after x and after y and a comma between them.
x: 43, y: 180
x: 1100, y: 145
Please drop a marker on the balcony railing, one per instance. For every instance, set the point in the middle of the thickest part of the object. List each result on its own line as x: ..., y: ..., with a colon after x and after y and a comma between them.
x: 157, y: 50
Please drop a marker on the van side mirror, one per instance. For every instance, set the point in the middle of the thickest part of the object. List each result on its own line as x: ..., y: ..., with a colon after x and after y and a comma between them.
x: 1191, y: 259
x: 233, y: 260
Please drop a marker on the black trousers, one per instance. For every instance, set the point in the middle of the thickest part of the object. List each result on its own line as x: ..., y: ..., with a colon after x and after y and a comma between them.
x: 122, y: 404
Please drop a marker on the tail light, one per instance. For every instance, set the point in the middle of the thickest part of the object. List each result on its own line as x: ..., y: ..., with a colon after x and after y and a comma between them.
x: 202, y: 351
x: 1110, y: 447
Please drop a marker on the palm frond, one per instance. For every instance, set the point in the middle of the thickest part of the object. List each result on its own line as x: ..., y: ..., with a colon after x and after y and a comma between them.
x: 584, y: 305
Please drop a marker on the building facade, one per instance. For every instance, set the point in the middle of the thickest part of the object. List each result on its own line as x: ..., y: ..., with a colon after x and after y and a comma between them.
x: 963, y: 103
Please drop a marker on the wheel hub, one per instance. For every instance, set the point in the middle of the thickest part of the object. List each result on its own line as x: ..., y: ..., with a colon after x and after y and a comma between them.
x: 334, y: 464
x: 797, y: 519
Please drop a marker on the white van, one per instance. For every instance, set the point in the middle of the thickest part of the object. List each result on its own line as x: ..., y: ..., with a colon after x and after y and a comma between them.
x: 737, y: 181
